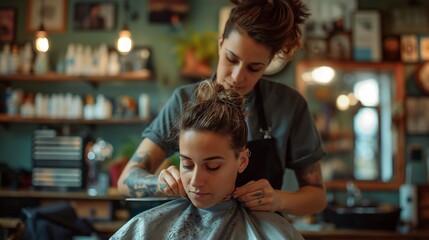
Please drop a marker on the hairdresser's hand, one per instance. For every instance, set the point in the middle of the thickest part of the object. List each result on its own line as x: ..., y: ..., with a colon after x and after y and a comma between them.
x: 258, y: 196
x: 169, y: 182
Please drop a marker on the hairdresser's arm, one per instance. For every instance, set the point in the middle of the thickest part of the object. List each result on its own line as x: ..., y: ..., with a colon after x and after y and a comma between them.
x: 137, y: 178
x: 311, y: 196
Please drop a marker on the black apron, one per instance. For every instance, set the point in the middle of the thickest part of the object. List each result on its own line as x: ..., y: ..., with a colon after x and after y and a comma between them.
x: 264, y: 162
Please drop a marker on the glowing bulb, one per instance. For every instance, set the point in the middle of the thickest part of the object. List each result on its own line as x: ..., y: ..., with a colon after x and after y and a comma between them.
x: 367, y: 92
x: 343, y: 102
x: 125, y: 43
x: 323, y: 75
x: 41, y: 42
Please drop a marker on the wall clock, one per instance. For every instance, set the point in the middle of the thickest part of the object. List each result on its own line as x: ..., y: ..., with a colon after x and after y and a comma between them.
x: 422, y: 77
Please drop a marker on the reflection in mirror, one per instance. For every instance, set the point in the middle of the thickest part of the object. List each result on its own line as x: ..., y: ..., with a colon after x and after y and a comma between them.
x: 353, y: 108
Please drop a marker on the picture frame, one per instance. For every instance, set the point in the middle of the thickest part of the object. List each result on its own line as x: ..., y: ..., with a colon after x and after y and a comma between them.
x: 340, y: 46
x: 168, y: 11
x: 92, y: 16
x: 325, y: 13
x: 367, y: 36
x: 417, y: 121
x: 7, y: 25
x: 54, y: 19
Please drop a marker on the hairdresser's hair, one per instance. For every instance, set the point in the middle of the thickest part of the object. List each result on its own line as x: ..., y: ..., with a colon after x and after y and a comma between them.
x: 215, y: 110
x: 272, y: 23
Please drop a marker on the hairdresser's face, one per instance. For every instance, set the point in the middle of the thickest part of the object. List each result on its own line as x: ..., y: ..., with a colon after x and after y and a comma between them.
x: 208, y: 167
x: 242, y: 62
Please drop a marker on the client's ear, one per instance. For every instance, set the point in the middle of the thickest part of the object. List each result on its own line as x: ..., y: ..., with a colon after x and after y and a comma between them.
x: 243, y: 159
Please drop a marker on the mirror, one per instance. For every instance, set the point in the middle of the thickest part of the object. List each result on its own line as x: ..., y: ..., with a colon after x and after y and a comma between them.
x: 357, y: 110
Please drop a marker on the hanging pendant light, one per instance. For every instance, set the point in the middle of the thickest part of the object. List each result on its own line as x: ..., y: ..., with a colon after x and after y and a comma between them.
x: 41, y: 42
x: 124, y: 43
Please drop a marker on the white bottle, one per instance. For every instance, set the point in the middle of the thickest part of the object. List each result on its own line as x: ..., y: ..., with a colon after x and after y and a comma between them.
x: 26, y: 58
x: 13, y: 60
x: 38, y: 105
x: 68, y: 105
x: 88, y: 109
x: 4, y: 58
x: 102, y: 59
x: 69, y: 63
x: 144, y: 106
x: 87, y: 61
x: 78, y: 59
x: 113, y: 66
x: 77, y: 107
x: 41, y: 63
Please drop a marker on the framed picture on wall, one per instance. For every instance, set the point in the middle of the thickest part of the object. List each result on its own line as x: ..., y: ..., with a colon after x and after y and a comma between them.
x: 168, y: 11
x: 94, y: 16
x: 7, y: 25
x: 325, y: 13
x: 52, y: 12
x: 417, y: 120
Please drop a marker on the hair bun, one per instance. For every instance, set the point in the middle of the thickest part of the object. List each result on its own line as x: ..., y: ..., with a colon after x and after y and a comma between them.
x: 212, y: 91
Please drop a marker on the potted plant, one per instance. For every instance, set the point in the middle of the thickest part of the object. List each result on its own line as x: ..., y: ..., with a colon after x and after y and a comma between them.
x: 196, y: 53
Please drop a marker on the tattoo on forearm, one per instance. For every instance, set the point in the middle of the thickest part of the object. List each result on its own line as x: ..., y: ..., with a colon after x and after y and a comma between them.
x: 144, y: 160
x: 310, y: 176
x: 140, y: 182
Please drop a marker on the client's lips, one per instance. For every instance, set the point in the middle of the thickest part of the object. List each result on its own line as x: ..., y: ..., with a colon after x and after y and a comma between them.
x: 197, y: 194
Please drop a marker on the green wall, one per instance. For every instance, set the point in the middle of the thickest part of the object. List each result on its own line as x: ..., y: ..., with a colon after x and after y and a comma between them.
x: 15, y: 139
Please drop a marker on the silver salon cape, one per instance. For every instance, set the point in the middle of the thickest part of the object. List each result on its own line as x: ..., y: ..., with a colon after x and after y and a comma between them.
x: 180, y: 219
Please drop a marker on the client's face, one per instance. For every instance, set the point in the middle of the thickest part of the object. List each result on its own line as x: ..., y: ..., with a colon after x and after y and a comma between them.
x: 208, y: 167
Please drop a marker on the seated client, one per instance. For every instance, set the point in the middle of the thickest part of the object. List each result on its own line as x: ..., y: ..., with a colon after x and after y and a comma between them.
x: 212, y: 136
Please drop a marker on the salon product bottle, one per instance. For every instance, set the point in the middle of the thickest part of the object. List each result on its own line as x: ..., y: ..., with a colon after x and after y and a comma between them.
x: 113, y: 66
x: 87, y: 61
x: 41, y: 63
x: 69, y: 63
x: 88, y: 109
x: 78, y: 59
x: 144, y: 106
x: 4, y: 59
x: 26, y: 58
x: 13, y: 60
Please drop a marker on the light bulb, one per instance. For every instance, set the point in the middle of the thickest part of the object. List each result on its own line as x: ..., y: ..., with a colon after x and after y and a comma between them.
x: 41, y: 42
x: 125, y: 43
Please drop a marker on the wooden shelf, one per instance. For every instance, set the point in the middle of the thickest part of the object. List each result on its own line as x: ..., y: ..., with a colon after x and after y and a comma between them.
x: 18, y: 119
x: 54, y: 77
